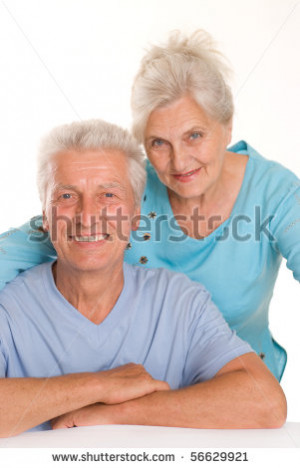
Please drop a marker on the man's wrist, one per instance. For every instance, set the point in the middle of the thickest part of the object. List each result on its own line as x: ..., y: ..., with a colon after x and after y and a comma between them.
x: 135, y: 411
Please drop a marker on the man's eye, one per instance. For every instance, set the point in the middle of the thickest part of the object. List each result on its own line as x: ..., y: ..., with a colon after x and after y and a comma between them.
x: 66, y: 196
x: 195, y: 135
x: 109, y: 195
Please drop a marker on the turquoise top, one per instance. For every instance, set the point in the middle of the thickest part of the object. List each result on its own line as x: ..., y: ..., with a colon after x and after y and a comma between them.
x: 238, y: 262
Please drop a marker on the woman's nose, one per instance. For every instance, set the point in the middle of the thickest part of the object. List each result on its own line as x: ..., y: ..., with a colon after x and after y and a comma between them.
x: 179, y: 158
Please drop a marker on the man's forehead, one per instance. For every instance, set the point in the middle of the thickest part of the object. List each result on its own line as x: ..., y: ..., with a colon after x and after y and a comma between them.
x: 103, y: 168
x: 97, y: 156
x: 90, y: 162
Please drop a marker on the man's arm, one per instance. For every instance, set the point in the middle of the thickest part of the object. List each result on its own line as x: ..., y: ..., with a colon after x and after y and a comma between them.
x: 27, y: 402
x: 243, y: 394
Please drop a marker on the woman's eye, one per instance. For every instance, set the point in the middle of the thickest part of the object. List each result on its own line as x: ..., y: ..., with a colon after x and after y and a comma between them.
x: 157, y: 142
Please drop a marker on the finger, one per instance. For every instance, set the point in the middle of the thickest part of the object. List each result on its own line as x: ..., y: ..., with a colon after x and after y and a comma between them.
x: 62, y: 423
x: 162, y: 385
x: 56, y: 424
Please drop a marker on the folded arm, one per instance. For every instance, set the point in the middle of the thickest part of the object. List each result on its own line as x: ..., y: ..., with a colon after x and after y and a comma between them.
x: 27, y: 402
x: 243, y: 394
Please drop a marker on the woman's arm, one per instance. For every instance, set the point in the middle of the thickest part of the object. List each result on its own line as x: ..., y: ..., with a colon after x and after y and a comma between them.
x: 23, y: 248
x: 285, y: 227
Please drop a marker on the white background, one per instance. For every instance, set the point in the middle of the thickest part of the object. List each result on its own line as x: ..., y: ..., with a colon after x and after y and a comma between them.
x: 75, y: 59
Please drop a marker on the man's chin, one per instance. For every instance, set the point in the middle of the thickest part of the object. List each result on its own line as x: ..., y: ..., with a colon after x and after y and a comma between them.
x: 88, y: 263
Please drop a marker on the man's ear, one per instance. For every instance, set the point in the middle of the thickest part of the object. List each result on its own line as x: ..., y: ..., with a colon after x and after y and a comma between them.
x: 45, y: 222
x: 135, y: 221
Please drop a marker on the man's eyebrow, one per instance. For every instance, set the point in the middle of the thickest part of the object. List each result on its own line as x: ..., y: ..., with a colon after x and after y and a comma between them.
x: 111, y: 185
x: 75, y: 188
x: 65, y: 187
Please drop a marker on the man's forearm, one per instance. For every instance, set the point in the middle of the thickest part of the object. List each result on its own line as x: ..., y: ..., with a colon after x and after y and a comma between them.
x: 223, y: 402
x: 244, y: 394
x: 27, y: 402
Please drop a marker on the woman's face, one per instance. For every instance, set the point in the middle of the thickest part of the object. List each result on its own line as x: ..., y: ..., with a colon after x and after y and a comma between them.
x: 186, y: 147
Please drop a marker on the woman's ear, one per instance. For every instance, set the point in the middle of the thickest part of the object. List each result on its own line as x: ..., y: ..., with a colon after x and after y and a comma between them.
x: 228, y: 132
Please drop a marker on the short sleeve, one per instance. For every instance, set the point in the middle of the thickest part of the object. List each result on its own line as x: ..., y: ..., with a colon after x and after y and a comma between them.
x: 2, y: 362
x: 213, y: 344
x: 23, y: 248
x: 3, y: 328
x: 285, y: 227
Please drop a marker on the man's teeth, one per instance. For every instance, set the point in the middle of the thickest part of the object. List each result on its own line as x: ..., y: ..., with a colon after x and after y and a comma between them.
x: 90, y: 238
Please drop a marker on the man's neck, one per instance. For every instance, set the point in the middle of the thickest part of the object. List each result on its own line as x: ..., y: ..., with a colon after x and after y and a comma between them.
x: 92, y: 293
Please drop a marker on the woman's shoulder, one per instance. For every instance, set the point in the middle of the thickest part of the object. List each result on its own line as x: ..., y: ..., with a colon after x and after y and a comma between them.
x: 265, y: 175
x: 262, y: 163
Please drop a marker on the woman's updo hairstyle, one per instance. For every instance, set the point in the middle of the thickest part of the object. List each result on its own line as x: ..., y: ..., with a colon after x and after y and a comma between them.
x: 184, y: 66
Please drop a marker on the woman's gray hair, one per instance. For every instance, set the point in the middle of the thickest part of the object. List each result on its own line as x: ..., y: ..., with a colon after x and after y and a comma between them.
x: 91, y: 135
x: 184, y: 66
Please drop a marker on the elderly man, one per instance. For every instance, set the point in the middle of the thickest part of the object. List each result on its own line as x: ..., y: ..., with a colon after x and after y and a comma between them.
x: 71, y: 330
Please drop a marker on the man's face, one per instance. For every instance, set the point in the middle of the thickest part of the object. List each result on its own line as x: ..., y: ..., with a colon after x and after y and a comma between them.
x: 90, y: 208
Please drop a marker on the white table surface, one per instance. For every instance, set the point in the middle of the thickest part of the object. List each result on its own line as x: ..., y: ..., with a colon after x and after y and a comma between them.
x: 149, y: 436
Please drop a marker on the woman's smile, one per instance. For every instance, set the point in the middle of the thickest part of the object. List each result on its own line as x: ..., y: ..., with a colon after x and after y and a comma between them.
x: 187, y: 176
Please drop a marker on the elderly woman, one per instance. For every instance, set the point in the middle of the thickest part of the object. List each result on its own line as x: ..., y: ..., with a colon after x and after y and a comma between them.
x: 225, y: 217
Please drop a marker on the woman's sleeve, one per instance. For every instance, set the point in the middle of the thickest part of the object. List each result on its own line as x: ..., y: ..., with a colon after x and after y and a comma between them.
x: 23, y: 248
x: 285, y: 227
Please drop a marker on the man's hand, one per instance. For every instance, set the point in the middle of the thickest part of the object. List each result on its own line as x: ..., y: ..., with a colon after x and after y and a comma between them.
x: 127, y: 383
x: 120, y: 384
x: 92, y: 415
x: 27, y: 402
x: 244, y: 384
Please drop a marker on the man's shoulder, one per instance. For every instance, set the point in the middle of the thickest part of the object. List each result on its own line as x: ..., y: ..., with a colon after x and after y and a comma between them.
x: 172, y: 299
x: 29, y: 280
x: 162, y: 279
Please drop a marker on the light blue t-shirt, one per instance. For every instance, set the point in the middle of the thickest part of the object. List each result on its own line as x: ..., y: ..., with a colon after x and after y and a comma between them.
x: 238, y: 262
x: 161, y: 320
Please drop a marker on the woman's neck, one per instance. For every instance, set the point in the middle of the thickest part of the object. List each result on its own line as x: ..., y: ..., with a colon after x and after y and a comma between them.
x: 92, y: 293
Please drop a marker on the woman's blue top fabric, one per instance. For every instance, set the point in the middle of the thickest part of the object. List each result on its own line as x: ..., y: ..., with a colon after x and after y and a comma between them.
x: 238, y: 262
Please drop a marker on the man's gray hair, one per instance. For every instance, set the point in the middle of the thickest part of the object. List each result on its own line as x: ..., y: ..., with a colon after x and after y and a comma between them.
x: 184, y: 66
x: 91, y: 135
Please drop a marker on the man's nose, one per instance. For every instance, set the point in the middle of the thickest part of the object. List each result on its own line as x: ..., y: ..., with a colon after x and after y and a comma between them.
x: 88, y: 213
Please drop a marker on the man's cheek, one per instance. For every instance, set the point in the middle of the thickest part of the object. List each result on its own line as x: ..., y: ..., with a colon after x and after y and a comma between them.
x: 62, y: 230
